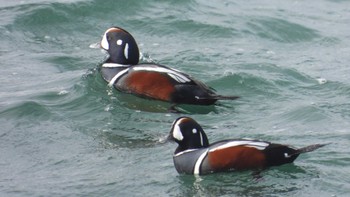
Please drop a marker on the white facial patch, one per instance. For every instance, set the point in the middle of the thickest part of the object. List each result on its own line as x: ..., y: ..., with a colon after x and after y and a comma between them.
x: 194, y: 131
x: 104, y: 41
x: 126, y: 51
x: 177, y: 132
x: 119, y: 42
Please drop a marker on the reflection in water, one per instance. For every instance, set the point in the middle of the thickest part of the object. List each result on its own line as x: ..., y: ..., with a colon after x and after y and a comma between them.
x: 141, y: 104
x: 283, y: 179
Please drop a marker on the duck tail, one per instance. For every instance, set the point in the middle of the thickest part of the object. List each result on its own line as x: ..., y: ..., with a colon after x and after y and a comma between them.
x: 310, y: 148
x: 213, y: 98
x: 220, y: 97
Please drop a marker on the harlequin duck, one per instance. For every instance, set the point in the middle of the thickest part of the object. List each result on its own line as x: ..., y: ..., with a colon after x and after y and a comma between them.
x: 194, y: 154
x: 149, y: 80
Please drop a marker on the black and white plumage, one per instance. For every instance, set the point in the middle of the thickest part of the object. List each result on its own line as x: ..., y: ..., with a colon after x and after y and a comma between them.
x: 194, y: 154
x: 149, y: 80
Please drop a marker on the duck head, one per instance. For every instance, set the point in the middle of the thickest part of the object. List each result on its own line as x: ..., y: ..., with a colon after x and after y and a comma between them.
x: 121, y: 46
x: 188, y: 134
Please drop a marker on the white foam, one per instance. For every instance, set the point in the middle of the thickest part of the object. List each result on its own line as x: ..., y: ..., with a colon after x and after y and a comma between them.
x: 321, y: 81
x: 63, y: 92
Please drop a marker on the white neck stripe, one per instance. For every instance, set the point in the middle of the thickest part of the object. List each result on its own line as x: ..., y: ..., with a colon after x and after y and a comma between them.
x: 185, y: 151
x: 114, y: 65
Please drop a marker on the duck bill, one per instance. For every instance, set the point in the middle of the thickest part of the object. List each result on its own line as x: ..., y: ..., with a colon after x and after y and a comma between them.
x: 96, y: 45
x: 166, y: 139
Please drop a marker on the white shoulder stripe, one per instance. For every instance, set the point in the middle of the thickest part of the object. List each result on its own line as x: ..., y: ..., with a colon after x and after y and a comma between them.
x: 254, y: 144
x: 199, y: 162
x: 172, y: 73
x: 117, y: 76
x: 177, y: 78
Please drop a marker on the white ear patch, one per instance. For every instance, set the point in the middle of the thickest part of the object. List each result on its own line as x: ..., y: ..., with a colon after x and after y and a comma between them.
x: 200, y: 135
x: 104, y: 42
x: 119, y: 42
x: 126, y: 51
x: 177, y: 133
x: 194, y: 131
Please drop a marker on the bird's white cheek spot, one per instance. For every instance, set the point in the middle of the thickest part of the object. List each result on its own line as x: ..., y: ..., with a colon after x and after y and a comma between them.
x: 194, y: 131
x: 126, y: 51
x: 104, y: 42
x: 177, y: 133
x: 119, y: 42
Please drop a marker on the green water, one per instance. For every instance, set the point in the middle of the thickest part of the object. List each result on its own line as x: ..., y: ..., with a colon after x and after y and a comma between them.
x: 65, y: 133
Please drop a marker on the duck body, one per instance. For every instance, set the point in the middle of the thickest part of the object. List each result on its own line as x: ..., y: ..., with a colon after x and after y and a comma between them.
x: 158, y: 82
x: 149, y: 80
x: 195, y: 155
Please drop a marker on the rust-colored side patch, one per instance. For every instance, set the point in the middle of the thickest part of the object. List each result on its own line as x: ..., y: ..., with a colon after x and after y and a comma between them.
x: 150, y: 84
x: 237, y: 157
x: 115, y: 29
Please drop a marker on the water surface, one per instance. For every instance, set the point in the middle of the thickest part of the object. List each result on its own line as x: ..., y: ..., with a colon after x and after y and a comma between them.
x: 65, y: 133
